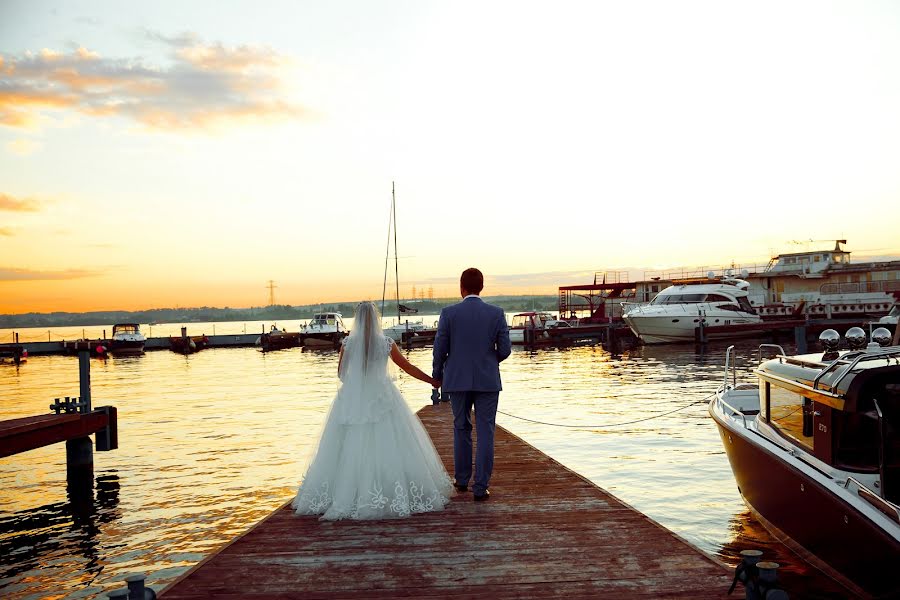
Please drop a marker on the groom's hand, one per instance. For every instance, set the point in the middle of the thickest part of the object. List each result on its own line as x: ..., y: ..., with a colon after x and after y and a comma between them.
x: 436, y: 384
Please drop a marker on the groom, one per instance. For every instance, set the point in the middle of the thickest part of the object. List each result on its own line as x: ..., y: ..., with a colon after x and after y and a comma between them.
x: 471, y: 340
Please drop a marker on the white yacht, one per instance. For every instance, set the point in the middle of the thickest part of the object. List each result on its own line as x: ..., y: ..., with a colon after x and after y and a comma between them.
x: 126, y: 339
x: 324, y: 329
x: 677, y: 310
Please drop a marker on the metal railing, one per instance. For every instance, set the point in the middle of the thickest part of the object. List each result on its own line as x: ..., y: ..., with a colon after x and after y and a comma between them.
x: 861, y: 287
x: 880, y: 504
x: 851, y: 360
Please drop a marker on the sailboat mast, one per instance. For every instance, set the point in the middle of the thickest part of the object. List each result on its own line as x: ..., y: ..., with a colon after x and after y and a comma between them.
x: 396, y: 268
x: 387, y: 254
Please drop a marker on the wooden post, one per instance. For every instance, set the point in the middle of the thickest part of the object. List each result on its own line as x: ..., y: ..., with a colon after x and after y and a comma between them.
x: 84, y: 380
x: 800, y: 339
x: 79, y: 455
x: 612, y: 340
x: 700, y: 333
x: 80, y: 475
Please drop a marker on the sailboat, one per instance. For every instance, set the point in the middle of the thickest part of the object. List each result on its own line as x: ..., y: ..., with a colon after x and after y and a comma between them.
x: 396, y: 331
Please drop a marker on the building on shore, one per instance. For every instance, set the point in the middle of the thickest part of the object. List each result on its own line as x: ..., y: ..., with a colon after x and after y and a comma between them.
x: 819, y: 283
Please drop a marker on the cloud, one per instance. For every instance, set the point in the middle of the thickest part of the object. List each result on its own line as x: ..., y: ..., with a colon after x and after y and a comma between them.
x: 13, y: 204
x: 11, y: 274
x: 22, y: 147
x: 203, y: 84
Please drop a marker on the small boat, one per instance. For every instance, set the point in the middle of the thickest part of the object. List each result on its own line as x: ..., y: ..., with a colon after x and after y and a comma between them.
x: 188, y: 344
x: 395, y: 332
x: 533, y: 327
x: 127, y: 339
x: 677, y: 310
x: 325, y: 329
x: 814, y: 445
x: 278, y: 339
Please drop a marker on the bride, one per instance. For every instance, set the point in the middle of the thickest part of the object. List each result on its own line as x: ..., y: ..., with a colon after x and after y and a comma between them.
x: 374, y: 459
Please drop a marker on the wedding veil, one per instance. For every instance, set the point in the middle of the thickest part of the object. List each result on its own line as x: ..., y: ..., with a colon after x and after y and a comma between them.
x: 365, y: 348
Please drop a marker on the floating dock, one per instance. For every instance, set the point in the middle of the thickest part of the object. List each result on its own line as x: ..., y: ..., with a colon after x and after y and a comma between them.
x: 546, y: 532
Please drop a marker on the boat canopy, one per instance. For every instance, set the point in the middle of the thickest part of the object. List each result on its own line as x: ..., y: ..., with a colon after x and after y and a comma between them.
x: 845, y: 410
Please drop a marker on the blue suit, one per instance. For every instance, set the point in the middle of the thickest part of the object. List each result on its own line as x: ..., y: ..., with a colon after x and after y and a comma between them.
x: 471, y: 341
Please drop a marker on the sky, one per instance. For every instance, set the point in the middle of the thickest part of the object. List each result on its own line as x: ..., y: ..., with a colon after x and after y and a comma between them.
x: 165, y: 154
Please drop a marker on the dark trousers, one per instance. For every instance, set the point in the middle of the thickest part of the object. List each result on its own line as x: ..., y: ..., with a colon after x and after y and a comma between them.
x: 485, y: 404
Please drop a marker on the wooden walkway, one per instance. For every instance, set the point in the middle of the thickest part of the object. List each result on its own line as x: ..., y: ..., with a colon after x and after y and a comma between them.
x: 545, y: 533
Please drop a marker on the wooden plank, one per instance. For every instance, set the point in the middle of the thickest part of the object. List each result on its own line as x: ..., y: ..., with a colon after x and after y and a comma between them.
x: 21, y: 435
x: 546, y: 533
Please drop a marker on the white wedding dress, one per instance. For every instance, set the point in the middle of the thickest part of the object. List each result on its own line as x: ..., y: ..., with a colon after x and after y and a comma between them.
x: 374, y: 459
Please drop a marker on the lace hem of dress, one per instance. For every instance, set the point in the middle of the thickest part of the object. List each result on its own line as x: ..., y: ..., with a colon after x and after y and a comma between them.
x: 375, y: 504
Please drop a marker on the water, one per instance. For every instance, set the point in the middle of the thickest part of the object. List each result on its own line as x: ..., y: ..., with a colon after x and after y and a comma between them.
x: 211, y: 443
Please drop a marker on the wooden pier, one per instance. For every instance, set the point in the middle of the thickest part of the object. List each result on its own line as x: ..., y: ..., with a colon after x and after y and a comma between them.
x: 28, y: 433
x: 545, y: 533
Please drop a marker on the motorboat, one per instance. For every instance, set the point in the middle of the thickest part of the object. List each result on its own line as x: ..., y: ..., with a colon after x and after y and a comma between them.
x: 185, y: 344
x: 325, y: 329
x: 395, y: 332
x: 533, y: 327
x: 126, y: 339
x: 814, y: 444
x: 892, y: 317
x: 677, y: 310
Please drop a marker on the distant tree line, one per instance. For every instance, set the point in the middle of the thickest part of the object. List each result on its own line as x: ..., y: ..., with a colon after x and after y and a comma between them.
x: 209, y: 314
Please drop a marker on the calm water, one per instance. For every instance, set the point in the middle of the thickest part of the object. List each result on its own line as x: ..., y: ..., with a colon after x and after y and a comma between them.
x: 211, y: 443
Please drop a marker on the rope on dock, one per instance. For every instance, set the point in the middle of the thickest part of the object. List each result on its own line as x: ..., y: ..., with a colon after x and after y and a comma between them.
x: 605, y: 425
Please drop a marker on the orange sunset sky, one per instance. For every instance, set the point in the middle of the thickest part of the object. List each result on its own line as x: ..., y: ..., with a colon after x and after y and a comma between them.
x: 184, y: 154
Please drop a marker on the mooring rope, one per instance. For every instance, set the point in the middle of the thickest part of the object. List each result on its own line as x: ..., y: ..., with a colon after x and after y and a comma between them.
x: 605, y: 425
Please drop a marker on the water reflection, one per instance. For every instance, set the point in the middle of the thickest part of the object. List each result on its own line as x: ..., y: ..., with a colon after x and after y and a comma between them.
x: 35, y: 537
x: 796, y: 577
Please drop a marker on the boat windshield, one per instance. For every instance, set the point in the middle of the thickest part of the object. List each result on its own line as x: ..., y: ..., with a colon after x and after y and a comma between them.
x: 522, y: 321
x: 745, y: 305
x: 679, y: 299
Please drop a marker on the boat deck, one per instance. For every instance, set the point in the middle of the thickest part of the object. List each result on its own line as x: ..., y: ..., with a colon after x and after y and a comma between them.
x: 546, y: 533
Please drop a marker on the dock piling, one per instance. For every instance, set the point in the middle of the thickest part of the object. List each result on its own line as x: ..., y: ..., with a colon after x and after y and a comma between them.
x: 700, y: 333
x: 84, y: 380
x: 800, y: 339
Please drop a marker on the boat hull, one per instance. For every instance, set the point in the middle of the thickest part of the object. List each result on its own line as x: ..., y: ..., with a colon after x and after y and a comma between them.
x: 126, y: 347
x: 667, y: 329
x: 811, y: 520
x: 279, y: 341
x: 323, y: 340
